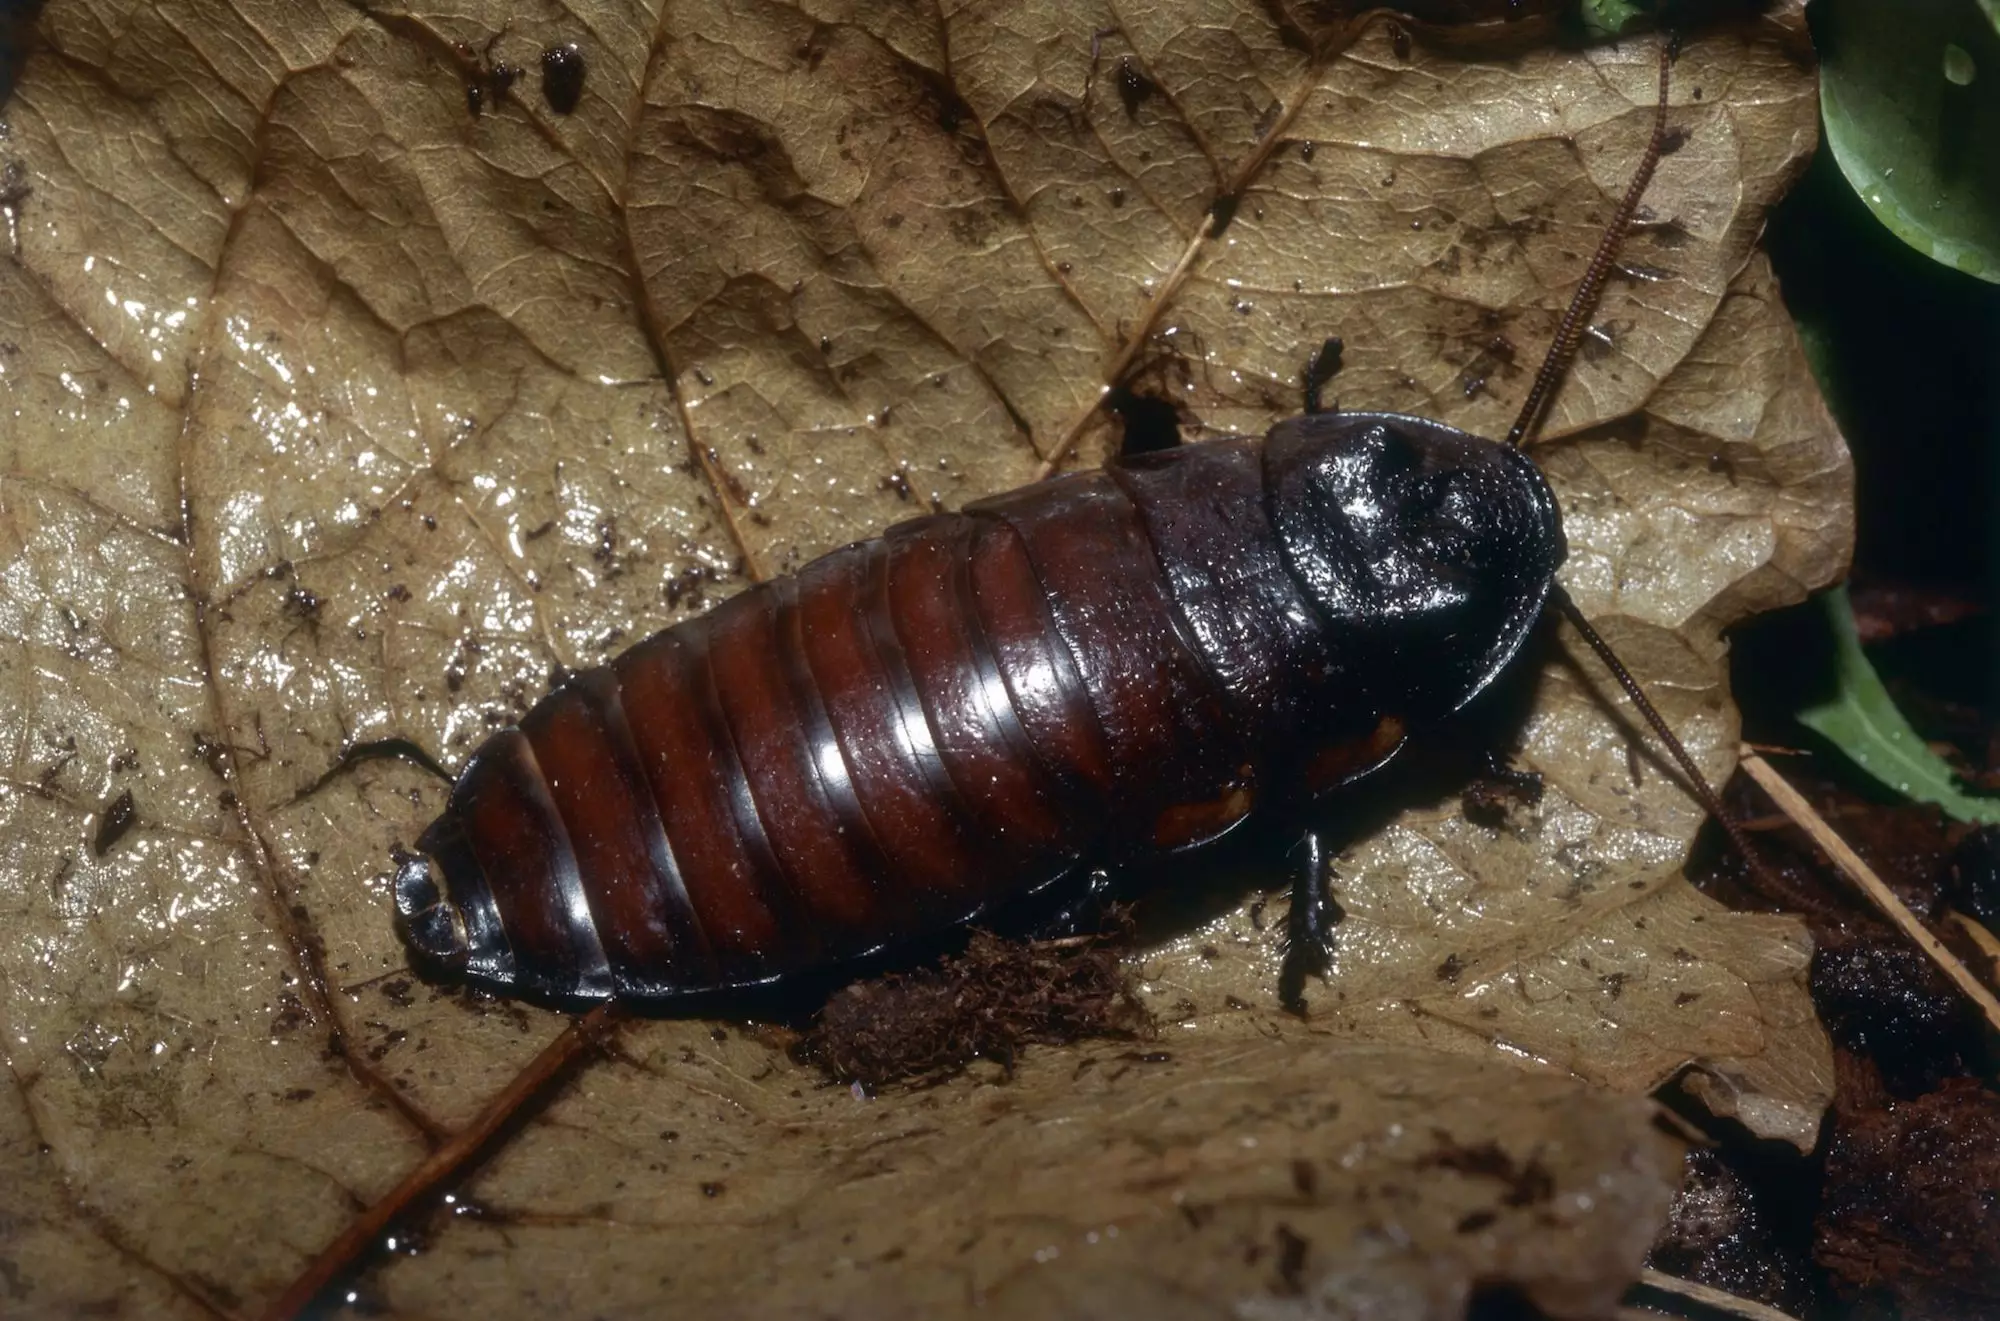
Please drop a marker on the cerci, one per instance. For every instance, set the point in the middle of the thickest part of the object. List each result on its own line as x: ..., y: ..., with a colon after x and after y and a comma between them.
x: 914, y: 729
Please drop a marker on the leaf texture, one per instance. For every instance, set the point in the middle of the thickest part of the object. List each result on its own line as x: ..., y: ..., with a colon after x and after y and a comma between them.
x: 337, y: 413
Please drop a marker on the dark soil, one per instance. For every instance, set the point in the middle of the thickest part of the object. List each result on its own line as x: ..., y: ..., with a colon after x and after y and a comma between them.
x: 1897, y: 1214
x: 924, y: 1026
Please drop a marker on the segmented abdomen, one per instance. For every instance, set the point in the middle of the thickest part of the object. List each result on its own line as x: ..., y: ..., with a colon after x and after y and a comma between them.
x: 905, y: 732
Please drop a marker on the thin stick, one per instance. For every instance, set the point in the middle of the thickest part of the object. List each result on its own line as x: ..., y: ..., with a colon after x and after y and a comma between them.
x: 1569, y: 334
x: 1779, y: 821
x: 1133, y: 343
x: 1794, y: 805
x: 1749, y: 1309
x: 1989, y: 944
x: 441, y: 1166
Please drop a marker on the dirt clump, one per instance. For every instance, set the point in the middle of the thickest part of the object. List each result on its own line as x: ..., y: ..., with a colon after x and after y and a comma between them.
x: 924, y: 1026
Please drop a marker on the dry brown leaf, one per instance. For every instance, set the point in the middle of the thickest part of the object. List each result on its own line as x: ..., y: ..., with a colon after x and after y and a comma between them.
x: 1165, y: 1183
x: 336, y: 413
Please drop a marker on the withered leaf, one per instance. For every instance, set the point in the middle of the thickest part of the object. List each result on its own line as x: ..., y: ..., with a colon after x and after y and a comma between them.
x: 336, y: 413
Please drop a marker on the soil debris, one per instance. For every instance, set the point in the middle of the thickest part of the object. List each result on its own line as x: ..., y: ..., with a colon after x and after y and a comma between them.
x: 1879, y: 996
x: 1975, y: 875
x: 1896, y: 1213
x: 1909, y: 1214
x: 926, y: 1026
x: 119, y: 817
x: 1721, y: 1233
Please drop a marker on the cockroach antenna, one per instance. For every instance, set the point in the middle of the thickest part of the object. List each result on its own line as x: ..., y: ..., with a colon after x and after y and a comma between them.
x: 1703, y: 790
x: 1569, y: 334
x: 1562, y: 352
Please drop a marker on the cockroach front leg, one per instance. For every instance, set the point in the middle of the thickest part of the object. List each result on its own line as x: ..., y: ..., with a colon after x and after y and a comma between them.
x: 1309, y: 926
x: 1319, y: 369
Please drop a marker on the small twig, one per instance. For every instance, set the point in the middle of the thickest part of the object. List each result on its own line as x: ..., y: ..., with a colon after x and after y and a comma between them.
x: 1794, y: 805
x: 1777, y: 750
x: 1689, y: 1131
x: 1779, y: 821
x: 1746, y: 1308
x: 1135, y: 341
x: 1989, y: 944
x: 441, y: 1166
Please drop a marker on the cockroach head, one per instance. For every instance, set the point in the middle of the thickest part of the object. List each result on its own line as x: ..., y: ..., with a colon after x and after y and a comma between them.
x: 1428, y: 551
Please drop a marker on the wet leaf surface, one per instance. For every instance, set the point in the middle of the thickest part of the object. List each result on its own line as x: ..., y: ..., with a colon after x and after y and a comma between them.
x: 336, y: 412
x: 1911, y: 115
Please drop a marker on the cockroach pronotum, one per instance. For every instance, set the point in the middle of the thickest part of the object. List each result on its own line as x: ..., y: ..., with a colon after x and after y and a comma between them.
x: 977, y: 706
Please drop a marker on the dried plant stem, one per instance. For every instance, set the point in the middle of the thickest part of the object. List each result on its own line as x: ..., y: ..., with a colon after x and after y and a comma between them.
x: 1989, y: 944
x: 1133, y: 343
x: 446, y: 1163
x: 1779, y: 821
x: 1794, y: 805
x: 1246, y: 170
x: 1746, y: 1308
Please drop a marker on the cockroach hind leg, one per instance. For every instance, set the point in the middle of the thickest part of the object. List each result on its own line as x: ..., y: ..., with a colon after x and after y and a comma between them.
x: 1084, y: 912
x: 1497, y: 789
x: 431, y: 925
x: 1309, y: 926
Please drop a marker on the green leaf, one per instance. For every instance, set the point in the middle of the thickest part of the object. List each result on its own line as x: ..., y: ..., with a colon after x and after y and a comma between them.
x: 1862, y: 721
x: 1911, y: 98
x: 1610, y: 17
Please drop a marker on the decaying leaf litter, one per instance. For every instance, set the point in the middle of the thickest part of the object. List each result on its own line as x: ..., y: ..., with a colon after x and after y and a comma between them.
x: 340, y: 414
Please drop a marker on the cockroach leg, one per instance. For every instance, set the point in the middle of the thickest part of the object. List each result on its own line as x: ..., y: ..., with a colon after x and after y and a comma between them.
x: 1497, y: 789
x: 1319, y: 369
x: 1526, y: 785
x: 1085, y: 913
x: 1310, y: 924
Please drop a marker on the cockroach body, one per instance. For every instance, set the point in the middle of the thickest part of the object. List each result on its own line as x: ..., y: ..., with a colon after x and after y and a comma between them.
x: 971, y: 708
x: 913, y: 729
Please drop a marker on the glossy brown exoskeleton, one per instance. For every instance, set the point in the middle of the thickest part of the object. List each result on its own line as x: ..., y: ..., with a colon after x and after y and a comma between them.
x: 972, y: 707
x: 976, y: 705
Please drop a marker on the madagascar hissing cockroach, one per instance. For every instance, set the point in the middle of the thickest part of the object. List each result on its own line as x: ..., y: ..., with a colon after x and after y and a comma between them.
x: 972, y: 707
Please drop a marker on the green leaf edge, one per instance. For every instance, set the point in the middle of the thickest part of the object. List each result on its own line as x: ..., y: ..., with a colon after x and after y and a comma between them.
x: 1610, y: 18
x: 1843, y: 132
x: 1863, y: 722
x: 1868, y: 183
